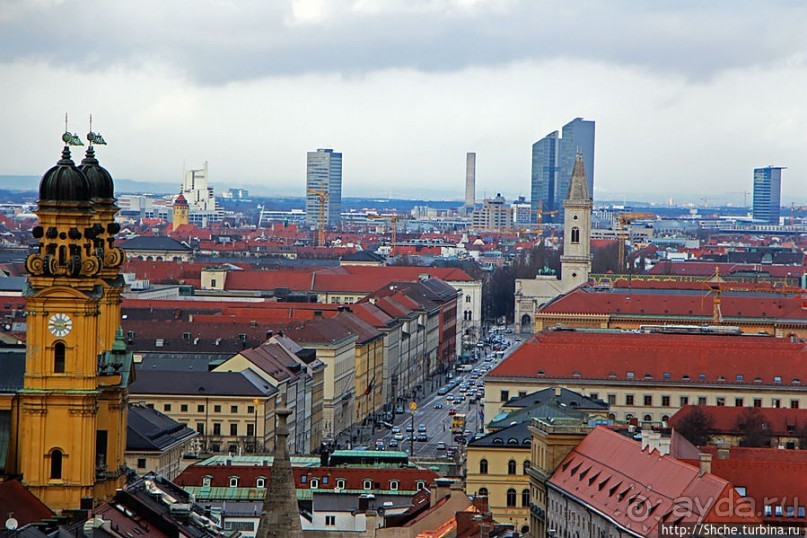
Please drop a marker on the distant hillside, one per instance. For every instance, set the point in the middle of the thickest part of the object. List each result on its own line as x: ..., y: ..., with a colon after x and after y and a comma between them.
x: 123, y: 186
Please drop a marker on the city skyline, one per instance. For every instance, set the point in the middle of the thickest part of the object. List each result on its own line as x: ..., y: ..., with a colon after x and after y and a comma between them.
x: 464, y: 76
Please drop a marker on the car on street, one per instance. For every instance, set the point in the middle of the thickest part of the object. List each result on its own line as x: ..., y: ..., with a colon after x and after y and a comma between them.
x: 441, y: 446
x: 399, y: 410
x: 442, y: 392
x: 438, y: 406
x: 396, y: 429
x: 393, y: 443
x: 422, y: 438
x: 409, y: 428
x: 450, y: 451
x: 449, y: 398
x: 421, y: 428
x: 452, y: 411
x: 398, y: 436
x: 379, y: 444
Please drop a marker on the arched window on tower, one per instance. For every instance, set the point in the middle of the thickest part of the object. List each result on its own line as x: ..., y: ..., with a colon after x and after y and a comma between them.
x: 56, y: 464
x: 575, y: 235
x: 511, y: 467
x: 483, y: 466
x: 58, y: 357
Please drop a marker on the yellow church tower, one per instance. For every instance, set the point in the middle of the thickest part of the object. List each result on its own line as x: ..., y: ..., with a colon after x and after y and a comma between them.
x: 72, y: 424
x: 181, y: 210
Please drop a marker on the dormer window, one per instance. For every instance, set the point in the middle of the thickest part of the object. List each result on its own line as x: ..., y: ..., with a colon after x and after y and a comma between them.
x: 393, y: 485
x: 340, y: 483
x: 314, y: 484
x: 260, y: 482
x: 367, y: 484
x: 206, y: 480
x: 233, y: 481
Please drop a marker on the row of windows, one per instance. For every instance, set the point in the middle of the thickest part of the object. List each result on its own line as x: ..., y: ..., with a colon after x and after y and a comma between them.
x: 200, y: 408
x: 649, y: 401
x: 314, y: 483
x: 200, y: 429
x: 512, y: 466
x: 511, y: 497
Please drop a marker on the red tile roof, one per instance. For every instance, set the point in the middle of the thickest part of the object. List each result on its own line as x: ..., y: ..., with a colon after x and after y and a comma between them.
x: 697, y: 303
x: 780, y: 421
x: 771, y: 477
x: 665, y: 357
x: 354, y: 476
x: 638, y: 489
x: 14, y: 497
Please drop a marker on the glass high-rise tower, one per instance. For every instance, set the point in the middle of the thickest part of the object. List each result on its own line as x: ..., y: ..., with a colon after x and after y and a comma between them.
x: 767, y: 194
x: 323, y: 174
x: 553, y: 160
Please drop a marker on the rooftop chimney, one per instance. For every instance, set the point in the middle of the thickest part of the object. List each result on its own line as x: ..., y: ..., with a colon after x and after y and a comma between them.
x: 440, y: 489
x: 705, y: 464
x: 723, y: 451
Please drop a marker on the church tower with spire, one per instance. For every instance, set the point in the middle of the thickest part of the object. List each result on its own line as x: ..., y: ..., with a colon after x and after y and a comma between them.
x: 280, y: 517
x: 576, y: 259
x: 73, y: 403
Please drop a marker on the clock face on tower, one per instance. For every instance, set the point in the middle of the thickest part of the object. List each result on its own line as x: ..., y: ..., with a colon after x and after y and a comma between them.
x: 60, y: 325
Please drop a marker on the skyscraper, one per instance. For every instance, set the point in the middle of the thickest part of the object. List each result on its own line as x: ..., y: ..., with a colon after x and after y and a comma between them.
x: 553, y: 161
x: 470, y: 180
x: 544, y: 173
x: 324, y: 175
x: 767, y: 193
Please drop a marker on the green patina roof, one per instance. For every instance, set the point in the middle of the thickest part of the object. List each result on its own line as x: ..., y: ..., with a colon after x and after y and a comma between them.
x: 221, y: 493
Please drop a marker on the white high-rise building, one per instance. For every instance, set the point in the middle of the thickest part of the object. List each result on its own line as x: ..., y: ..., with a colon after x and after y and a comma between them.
x: 201, y: 202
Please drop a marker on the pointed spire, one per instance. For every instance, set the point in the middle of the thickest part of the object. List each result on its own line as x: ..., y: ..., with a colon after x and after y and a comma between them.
x: 280, y: 517
x: 578, y: 186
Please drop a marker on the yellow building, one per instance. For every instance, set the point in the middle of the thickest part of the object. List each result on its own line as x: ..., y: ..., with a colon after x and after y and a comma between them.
x: 498, y: 466
x: 231, y: 411
x: 72, y: 407
x: 551, y: 443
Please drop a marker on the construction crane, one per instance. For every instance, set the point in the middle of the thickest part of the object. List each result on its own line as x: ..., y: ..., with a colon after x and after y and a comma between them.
x: 622, y: 222
x: 793, y: 209
x: 393, y: 218
x: 323, y: 199
x: 540, y: 213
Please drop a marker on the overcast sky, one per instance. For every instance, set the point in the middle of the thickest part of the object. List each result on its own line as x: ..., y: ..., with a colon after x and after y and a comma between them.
x: 688, y: 96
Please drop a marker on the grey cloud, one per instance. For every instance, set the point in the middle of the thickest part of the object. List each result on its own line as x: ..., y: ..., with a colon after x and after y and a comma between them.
x: 218, y: 42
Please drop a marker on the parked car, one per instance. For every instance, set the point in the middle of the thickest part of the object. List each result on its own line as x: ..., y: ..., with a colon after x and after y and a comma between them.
x: 421, y: 428
x: 398, y: 437
x: 399, y: 410
x: 393, y: 443
x: 409, y: 428
x: 422, y: 438
x: 441, y: 446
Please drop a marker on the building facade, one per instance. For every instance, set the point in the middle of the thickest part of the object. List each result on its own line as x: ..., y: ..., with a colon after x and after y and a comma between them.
x: 494, y: 215
x: 767, y: 194
x: 324, y: 175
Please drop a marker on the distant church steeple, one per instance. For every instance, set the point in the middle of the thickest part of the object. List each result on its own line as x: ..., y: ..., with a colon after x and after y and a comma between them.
x: 181, y: 209
x: 280, y: 517
x: 576, y: 259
